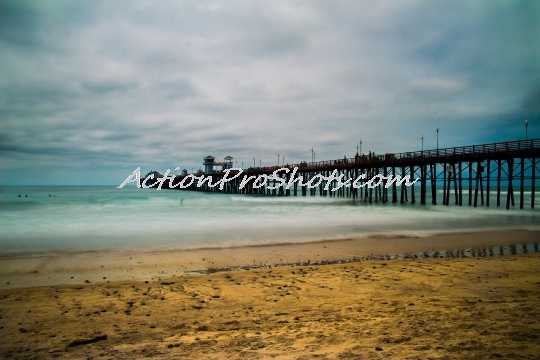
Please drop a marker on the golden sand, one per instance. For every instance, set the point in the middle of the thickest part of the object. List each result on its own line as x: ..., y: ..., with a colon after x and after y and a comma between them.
x: 455, y: 308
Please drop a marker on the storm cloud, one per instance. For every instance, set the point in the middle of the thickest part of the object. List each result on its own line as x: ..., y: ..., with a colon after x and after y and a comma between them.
x: 90, y: 90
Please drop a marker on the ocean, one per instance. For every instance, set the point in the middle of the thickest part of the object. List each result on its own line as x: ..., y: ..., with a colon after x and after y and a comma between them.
x: 83, y: 218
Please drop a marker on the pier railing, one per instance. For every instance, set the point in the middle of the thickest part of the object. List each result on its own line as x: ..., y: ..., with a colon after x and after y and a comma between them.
x: 508, y: 147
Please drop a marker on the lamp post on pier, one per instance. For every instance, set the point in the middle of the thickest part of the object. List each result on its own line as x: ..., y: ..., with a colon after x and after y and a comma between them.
x: 527, y: 129
x: 253, y: 162
x: 422, y: 137
x: 360, y: 146
x: 311, y: 154
x: 278, y: 159
x: 437, y: 129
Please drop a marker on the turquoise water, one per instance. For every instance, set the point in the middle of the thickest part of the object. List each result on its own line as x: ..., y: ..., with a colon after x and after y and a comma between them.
x: 100, y: 217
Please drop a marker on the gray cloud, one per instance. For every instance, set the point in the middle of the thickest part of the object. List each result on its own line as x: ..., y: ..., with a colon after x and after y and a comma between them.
x: 109, y: 85
x: 93, y: 89
x: 531, y: 102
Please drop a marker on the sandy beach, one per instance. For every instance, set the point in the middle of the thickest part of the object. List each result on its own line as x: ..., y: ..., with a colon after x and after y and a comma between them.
x: 256, y: 302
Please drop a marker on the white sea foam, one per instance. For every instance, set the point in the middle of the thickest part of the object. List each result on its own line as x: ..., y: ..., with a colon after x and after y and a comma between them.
x: 103, y: 217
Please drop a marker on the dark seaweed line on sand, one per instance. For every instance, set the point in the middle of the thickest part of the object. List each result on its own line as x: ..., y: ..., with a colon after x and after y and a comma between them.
x: 528, y: 248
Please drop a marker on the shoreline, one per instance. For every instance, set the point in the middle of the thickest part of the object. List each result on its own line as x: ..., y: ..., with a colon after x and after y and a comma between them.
x: 157, y: 249
x: 94, y: 266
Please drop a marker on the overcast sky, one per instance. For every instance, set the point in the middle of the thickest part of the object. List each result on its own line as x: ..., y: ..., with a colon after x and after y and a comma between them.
x: 90, y: 90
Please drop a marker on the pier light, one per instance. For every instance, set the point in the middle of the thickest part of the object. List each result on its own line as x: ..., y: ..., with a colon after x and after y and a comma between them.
x: 527, y: 129
x: 360, y: 146
x: 278, y: 159
x: 422, y: 137
x: 437, y: 129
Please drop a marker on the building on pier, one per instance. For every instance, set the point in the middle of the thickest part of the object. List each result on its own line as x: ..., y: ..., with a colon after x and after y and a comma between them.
x: 209, y: 164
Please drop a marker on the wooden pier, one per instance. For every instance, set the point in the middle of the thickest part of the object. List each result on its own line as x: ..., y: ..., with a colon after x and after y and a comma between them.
x: 471, y: 175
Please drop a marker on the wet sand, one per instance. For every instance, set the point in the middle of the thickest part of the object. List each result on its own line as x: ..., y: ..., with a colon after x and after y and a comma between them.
x: 455, y: 308
x: 38, y: 269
